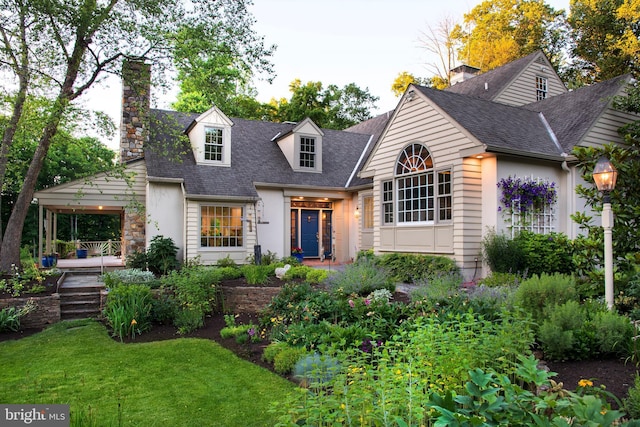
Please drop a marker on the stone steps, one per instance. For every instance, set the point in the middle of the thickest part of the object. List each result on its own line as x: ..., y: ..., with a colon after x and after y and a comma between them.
x: 80, y: 297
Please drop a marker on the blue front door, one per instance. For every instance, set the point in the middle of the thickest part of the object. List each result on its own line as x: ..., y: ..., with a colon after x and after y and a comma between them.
x: 309, y: 231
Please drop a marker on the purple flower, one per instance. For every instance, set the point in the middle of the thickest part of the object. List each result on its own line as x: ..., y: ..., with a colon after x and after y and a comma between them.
x: 251, y: 332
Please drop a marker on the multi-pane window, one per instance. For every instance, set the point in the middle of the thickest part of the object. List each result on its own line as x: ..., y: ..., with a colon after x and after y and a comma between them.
x: 367, y: 207
x: 213, y: 144
x: 418, y: 188
x: 541, y: 88
x: 307, y: 152
x: 444, y: 195
x: 387, y: 202
x: 221, y: 226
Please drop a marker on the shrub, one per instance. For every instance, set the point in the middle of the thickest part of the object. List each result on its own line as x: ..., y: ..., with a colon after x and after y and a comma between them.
x: 409, y: 268
x: 437, y: 288
x: 361, y: 278
x: 286, y: 359
x: 561, y: 334
x: 114, y: 278
x: 195, y: 290
x: 226, y: 262
x: 500, y: 279
x: 546, y: 253
x: 162, y: 255
x: 163, y: 309
x: 502, y: 254
x: 317, y: 275
x: 272, y: 350
x: 128, y: 310
x: 632, y: 401
x: 257, y: 274
x: 537, y: 292
x: 613, y: 333
x: 315, y: 369
x: 297, y: 272
x: 137, y: 260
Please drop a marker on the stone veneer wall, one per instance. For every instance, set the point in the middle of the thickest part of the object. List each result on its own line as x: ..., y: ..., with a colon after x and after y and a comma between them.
x: 46, y: 313
x: 245, y: 299
x: 134, y: 126
x: 133, y: 237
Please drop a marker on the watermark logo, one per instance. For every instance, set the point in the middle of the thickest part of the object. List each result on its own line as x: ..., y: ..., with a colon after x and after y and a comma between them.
x: 34, y: 415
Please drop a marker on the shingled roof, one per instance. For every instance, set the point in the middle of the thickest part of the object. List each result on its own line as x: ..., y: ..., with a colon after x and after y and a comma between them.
x: 490, y: 84
x: 255, y: 158
x: 501, y: 127
x: 572, y: 114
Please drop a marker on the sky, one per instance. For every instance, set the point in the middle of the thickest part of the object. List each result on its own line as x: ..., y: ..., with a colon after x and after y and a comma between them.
x: 366, y: 42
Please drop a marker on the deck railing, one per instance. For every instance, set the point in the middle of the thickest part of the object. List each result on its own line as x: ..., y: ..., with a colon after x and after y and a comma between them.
x: 97, y: 248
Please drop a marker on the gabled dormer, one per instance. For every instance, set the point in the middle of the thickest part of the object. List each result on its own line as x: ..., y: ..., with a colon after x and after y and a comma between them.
x: 302, y: 146
x: 210, y: 137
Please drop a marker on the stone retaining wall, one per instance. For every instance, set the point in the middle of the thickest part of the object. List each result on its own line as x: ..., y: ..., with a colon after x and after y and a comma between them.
x: 46, y: 313
x: 245, y: 299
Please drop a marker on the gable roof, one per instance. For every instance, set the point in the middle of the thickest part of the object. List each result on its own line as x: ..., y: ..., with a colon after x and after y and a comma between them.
x: 574, y: 113
x: 489, y: 85
x: 520, y: 131
x: 255, y: 158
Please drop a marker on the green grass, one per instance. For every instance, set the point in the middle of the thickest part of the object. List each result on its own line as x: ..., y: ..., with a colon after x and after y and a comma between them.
x: 181, y: 382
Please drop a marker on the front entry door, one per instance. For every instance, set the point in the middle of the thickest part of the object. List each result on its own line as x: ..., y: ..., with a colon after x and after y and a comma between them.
x: 310, y: 233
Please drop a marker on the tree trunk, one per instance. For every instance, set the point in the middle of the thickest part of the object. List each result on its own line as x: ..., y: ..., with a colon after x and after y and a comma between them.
x: 10, y: 249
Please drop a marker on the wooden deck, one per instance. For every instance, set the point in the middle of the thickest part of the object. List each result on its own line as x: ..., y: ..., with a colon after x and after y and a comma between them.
x: 90, y: 263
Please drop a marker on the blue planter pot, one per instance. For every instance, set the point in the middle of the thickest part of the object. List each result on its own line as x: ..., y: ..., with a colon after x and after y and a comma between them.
x: 299, y: 257
x: 48, y: 261
x: 81, y: 253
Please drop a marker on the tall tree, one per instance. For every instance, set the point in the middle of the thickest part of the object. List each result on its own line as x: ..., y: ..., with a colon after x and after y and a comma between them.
x: 496, y: 32
x: 606, y: 36
x: 440, y: 42
x: 625, y: 199
x: 216, y: 66
x: 332, y: 108
x: 404, y: 79
x: 61, y: 48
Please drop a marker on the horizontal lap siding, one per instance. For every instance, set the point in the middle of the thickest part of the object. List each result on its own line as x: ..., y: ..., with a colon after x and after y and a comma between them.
x: 523, y: 89
x: 467, y: 205
x: 605, y: 130
x: 418, y: 121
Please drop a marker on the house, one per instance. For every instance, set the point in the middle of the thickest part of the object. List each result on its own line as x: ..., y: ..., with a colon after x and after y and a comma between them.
x: 420, y: 179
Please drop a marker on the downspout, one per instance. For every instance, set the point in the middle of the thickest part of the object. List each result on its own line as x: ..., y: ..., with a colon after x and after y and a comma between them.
x: 184, y: 223
x: 571, y: 196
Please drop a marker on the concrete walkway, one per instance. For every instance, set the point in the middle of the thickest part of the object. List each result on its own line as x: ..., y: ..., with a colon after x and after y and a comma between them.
x: 81, y: 280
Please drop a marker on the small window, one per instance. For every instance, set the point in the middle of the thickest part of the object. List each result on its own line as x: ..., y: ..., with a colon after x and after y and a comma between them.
x: 213, y: 144
x: 541, y: 88
x: 307, y: 152
x: 387, y: 202
x: 444, y: 196
x: 221, y: 226
x: 367, y: 219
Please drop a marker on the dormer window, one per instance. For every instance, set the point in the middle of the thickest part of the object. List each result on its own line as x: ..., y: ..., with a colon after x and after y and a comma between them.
x: 307, y: 152
x: 210, y: 137
x: 213, y: 144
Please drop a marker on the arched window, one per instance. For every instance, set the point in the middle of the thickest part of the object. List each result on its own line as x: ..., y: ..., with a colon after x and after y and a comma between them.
x: 419, y: 189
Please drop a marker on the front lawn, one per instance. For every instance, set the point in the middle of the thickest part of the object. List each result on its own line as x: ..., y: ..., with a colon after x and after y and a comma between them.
x: 181, y: 382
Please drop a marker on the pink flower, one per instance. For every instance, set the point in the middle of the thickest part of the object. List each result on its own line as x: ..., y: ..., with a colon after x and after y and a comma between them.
x: 367, y: 302
x: 351, y: 303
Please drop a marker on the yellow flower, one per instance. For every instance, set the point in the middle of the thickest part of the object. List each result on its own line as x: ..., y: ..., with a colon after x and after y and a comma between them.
x: 585, y: 383
x: 133, y: 322
x: 398, y: 372
x: 343, y: 406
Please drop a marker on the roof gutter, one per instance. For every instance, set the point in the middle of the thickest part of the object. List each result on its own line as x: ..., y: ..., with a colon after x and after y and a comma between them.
x: 222, y: 198
x: 162, y: 180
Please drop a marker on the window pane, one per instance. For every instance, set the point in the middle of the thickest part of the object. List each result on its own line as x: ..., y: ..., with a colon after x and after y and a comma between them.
x: 213, y: 144
x: 221, y: 226
x: 307, y: 152
x: 367, y: 220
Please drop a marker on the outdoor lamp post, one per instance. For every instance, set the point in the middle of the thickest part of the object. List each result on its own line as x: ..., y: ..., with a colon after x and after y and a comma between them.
x: 604, y: 174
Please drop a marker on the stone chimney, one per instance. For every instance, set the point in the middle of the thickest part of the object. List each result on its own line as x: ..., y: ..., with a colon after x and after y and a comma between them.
x: 462, y: 73
x: 134, y: 127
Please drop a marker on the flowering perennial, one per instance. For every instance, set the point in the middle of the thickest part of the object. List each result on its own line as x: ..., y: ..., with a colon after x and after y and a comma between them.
x: 526, y: 195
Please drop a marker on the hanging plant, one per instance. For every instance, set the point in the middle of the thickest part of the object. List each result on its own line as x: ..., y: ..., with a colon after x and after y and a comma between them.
x: 526, y: 195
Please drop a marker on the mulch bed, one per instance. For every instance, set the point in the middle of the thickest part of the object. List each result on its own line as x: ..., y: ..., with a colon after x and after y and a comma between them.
x: 50, y: 283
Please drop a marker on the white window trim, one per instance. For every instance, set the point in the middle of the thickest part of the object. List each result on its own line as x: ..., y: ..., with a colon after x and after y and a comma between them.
x: 222, y: 248
x: 318, y: 153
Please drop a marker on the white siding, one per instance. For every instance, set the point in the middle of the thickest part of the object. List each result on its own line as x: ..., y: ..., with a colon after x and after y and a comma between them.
x: 522, y: 90
x: 165, y: 213
x: 271, y: 236
x: 605, y: 130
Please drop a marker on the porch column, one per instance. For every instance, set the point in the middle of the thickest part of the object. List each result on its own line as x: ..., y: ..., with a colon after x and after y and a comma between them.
x: 40, y: 232
x: 134, y: 232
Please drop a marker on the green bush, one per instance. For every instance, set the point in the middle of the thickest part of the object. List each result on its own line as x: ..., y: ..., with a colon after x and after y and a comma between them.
x: 361, y: 278
x: 502, y: 254
x: 163, y: 309
x: 162, y: 255
x: 272, y: 350
x: 562, y: 334
x: 317, y: 276
x: 114, y: 278
x: 315, y: 369
x: 437, y: 288
x: 226, y: 262
x: 614, y: 333
x: 257, y: 274
x: 632, y: 401
x: 128, y: 310
x: 546, y: 253
x: 195, y: 291
x: 538, y: 292
x: 409, y: 268
x: 500, y: 279
x: 286, y: 359
x: 297, y: 272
